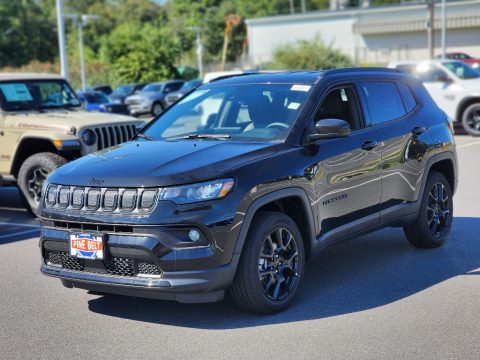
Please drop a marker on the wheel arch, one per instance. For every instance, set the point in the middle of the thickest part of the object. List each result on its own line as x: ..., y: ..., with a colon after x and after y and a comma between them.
x: 293, y: 202
x: 466, y: 102
x: 29, y: 146
x: 446, y: 164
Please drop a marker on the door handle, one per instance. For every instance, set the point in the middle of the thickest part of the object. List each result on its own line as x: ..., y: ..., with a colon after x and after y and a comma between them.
x: 417, y: 130
x: 369, y: 145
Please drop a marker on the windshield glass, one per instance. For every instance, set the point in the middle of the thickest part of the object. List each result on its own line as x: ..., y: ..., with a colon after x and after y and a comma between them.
x: 152, y: 88
x: 36, y: 94
x: 123, y: 90
x: 96, y: 98
x: 189, y: 85
x: 257, y: 112
x: 461, y: 70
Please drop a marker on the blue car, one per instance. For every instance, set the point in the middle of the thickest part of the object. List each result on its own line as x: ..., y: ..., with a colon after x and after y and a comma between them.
x: 93, y: 100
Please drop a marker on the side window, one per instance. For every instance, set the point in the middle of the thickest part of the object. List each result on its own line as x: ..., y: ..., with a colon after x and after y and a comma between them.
x: 430, y: 73
x: 383, y: 100
x: 407, y: 96
x: 340, y: 104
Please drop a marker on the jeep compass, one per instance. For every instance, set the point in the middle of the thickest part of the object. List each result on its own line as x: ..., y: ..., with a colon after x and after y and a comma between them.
x: 243, y: 180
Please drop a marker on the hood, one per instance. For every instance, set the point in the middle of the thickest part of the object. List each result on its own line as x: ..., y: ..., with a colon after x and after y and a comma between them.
x: 64, y: 120
x: 159, y: 163
x: 471, y: 85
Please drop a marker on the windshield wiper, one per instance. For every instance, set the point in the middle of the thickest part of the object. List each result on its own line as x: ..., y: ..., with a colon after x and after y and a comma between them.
x: 199, y: 136
x: 144, y: 136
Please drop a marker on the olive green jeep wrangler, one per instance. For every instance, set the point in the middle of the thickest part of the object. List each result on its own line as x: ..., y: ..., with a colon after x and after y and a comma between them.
x: 42, y: 126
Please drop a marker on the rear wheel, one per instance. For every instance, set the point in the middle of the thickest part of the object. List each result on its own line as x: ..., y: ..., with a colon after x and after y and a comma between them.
x: 471, y: 119
x: 432, y: 227
x: 32, y: 175
x: 272, y: 265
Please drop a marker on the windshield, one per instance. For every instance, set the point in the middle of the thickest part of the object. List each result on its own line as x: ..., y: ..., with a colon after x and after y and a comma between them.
x: 96, y: 98
x: 461, y: 70
x: 257, y: 112
x: 152, y: 88
x: 36, y: 95
x: 123, y: 90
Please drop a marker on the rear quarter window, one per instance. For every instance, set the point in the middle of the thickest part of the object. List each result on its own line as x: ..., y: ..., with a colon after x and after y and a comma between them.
x: 408, y: 99
x: 383, y: 100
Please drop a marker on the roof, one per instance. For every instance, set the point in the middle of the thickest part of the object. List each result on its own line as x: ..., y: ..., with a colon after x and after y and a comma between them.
x: 29, y: 76
x: 284, y: 77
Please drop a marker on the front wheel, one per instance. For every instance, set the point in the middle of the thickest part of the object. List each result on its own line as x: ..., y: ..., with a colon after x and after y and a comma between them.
x: 471, y: 119
x: 432, y: 227
x: 157, y: 109
x: 272, y: 265
x: 32, y: 175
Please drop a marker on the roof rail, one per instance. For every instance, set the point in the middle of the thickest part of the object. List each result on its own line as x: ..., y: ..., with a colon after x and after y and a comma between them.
x: 233, y: 75
x: 361, y: 69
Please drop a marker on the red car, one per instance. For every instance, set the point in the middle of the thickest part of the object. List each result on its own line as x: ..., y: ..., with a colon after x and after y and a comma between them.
x: 465, y: 58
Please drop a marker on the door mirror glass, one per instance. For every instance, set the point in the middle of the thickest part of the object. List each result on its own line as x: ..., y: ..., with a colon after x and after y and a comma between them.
x: 330, y: 129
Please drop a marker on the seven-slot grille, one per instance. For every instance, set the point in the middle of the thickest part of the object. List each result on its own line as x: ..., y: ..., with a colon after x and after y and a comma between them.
x: 101, y: 199
x: 111, y: 135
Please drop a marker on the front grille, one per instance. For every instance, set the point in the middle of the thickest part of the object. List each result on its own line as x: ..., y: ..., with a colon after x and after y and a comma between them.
x: 112, y: 135
x: 132, y: 101
x: 101, y: 199
x: 118, y: 266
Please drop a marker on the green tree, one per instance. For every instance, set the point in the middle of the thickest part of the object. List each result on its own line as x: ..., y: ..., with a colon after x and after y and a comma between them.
x: 141, y: 53
x: 306, y: 54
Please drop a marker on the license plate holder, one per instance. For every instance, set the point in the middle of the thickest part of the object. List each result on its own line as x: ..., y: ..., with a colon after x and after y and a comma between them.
x: 87, y: 246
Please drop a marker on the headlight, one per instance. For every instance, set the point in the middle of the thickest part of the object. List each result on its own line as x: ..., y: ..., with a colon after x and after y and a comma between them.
x: 197, y: 192
x: 88, y: 137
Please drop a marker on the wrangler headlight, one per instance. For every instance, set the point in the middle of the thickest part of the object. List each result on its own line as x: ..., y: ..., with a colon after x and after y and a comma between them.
x: 88, y: 137
x: 186, y: 194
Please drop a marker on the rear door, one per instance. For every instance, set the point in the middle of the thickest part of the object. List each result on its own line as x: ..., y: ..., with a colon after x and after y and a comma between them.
x: 393, y: 112
x: 348, y: 170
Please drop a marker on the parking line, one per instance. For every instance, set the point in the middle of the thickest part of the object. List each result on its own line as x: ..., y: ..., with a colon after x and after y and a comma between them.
x: 467, y: 145
x: 20, y: 224
x: 18, y: 233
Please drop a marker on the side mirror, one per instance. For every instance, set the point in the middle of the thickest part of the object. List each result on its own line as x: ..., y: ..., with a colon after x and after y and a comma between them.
x: 442, y: 78
x: 330, y: 129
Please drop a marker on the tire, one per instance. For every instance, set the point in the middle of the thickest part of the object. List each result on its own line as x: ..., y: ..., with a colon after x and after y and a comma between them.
x: 157, y: 108
x: 432, y: 227
x: 471, y: 119
x: 250, y: 290
x: 32, y: 175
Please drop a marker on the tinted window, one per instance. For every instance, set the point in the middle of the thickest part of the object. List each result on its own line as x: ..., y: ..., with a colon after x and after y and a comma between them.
x: 383, y: 101
x: 340, y: 104
x: 408, y: 98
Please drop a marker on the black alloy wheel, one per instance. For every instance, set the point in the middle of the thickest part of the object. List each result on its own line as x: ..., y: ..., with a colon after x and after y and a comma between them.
x: 35, y: 180
x: 278, y: 264
x: 438, y: 210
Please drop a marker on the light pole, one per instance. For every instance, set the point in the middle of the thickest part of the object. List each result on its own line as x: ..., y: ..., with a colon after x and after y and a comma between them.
x: 61, y: 40
x: 444, y: 31
x: 80, y: 22
x: 198, y: 31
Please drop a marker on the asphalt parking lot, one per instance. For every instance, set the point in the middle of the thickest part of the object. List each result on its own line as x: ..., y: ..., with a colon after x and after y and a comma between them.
x: 375, y: 297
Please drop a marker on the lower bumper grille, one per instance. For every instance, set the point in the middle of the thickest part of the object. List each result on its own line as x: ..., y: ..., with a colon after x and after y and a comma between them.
x: 118, y: 266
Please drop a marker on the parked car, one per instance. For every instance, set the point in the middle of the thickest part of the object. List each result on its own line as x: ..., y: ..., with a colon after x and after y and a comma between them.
x: 151, y: 99
x: 42, y: 126
x: 454, y: 86
x: 106, y: 89
x: 465, y: 58
x: 287, y: 164
x: 119, y: 95
x: 92, y: 100
x: 186, y: 87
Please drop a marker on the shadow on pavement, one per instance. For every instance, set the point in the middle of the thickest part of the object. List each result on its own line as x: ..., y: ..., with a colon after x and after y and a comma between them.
x: 358, y: 275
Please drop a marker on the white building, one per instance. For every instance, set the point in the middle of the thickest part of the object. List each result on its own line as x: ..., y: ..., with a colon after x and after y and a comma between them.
x: 370, y: 35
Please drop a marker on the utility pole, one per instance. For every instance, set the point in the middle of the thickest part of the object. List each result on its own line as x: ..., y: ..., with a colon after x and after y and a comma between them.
x: 61, y: 40
x: 198, y: 31
x: 431, y: 28
x: 82, y: 60
x: 304, y: 7
x: 444, y: 30
x: 292, y: 6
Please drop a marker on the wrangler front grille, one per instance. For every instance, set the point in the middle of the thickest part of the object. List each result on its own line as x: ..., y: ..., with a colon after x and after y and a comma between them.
x: 112, y: 135
x: 118, y: 266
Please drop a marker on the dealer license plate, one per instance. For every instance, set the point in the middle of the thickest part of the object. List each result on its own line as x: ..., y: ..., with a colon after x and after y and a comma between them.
x: 86, y: 246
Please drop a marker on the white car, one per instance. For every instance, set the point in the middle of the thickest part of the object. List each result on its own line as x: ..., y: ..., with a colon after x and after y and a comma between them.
x: 453, y: 85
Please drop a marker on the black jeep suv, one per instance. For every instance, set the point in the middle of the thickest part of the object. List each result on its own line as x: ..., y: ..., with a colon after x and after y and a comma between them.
x: 243, y: 180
